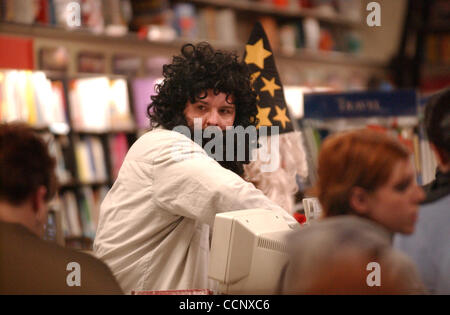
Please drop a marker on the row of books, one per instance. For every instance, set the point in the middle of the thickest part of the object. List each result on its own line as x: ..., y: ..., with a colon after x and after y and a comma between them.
x: 94, y: 159
x: 97, y: 15
x: 91, y: 157
x: 220, y: 24
x: 110, y: 16
x: 187, y: 20
x: 98, y: 104
x: 410, y: 134
x: 397, y: 113
x: 59, y: 148
x: 32, y: 98
x: 80, y: 211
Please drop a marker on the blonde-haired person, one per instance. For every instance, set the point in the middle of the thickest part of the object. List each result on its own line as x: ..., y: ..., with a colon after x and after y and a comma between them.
x: 366, y: 182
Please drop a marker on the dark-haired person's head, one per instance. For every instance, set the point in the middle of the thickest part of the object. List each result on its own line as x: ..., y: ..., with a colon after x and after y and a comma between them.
x: 208, y: 85
x: 369, y: 174
x: 437, y: 125
x: 27, y: 177
x: 204, y: 83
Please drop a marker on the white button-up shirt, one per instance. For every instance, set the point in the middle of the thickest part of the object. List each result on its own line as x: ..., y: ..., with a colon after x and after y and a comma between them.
x: 154, y: 225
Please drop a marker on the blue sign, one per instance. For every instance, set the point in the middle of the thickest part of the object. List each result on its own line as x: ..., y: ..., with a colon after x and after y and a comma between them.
x: 360, y: 104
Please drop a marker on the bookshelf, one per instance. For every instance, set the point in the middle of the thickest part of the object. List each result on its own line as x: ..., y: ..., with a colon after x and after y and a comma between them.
x: 395, y: 113
x: 87, y: 161
x: 132, y: 42
x: 344, y: 63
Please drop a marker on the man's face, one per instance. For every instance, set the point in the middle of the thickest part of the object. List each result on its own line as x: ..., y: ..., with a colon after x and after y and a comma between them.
x: 214, y: 110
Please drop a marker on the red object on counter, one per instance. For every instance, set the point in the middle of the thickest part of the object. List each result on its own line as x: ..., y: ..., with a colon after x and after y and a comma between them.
x: 301, y: 218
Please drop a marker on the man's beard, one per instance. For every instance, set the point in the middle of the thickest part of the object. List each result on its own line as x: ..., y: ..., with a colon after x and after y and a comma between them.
x: 231, y: 158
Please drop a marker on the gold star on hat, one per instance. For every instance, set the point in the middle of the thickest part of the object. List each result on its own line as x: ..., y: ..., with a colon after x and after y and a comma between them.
x: 270, y: 86
x: 256, y: 54
x: 263, y: 116
x: 281, y: 116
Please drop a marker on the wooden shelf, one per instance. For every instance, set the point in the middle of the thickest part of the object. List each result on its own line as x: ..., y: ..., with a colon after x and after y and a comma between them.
x: 133, y: 41
x: 270, y: 9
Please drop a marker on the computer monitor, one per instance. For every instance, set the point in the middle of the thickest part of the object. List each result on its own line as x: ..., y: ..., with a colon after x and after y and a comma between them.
x: 248, y: 251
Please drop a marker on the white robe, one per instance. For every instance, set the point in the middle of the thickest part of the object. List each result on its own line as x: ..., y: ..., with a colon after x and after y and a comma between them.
x: 154, y: 225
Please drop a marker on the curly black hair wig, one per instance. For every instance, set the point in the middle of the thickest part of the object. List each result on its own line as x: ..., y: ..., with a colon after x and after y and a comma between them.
x: 198, y: 69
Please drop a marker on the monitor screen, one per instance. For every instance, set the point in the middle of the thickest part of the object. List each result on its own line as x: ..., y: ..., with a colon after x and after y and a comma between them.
x: 248, y: 251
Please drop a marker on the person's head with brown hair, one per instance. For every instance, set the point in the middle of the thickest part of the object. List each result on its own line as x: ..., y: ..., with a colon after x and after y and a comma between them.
x: 369, y: 174
x: 27, y: 177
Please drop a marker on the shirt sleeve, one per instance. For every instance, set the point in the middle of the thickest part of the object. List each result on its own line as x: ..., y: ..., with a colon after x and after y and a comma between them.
x: 187, y: 182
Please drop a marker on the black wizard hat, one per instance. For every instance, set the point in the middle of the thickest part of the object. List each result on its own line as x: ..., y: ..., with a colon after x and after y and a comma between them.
x: 272, y: 110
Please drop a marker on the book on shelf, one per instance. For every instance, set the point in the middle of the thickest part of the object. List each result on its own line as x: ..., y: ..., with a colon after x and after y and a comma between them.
x: 120, y: 114
x: 437, y: 49
x: 86, y: 204
x: 100, y: 104
x: 80, y: 211
x: 89, y: 103
x: 63, y: 173
x: 85, y: 174
x: 206, y: 20
x: 124, y: 64
x: 119, y: 149
x: 16, y: 53
x: 91, y: 62
x: 20, y: 11
x: 96, y: 196
x: 350, y: 9
x: 143, y: 90
x: 92, y: 15
x: 185, y: 20
x: 32, y: 98
x: 44, y: 12
x: 90, y: 159
x: 98, y: 155
x: 226, y: 26
x: 71, y: 218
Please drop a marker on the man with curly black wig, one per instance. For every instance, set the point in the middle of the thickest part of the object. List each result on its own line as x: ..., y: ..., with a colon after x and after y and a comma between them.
x: 208, y: 85
x: 155, y: 223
